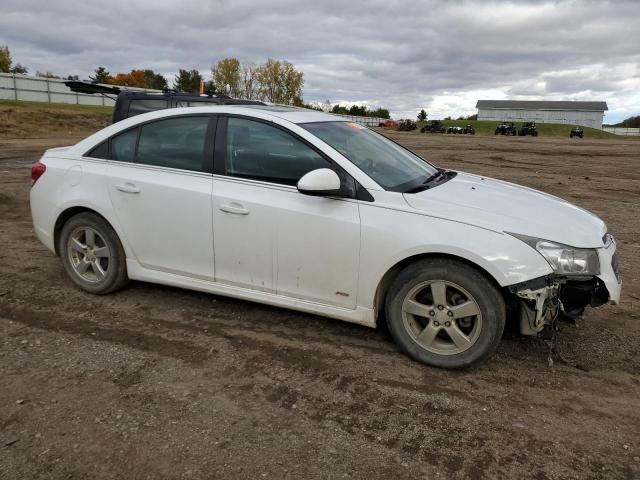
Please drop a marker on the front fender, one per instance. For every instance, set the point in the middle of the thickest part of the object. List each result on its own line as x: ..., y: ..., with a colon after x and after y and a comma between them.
x: 506, y: 259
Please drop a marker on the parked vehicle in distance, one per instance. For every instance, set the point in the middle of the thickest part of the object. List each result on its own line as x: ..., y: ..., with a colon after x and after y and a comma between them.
x: 406, y: 125
x: 529, y: 128
x: 433, y: 126
x: 577, y: 131
x: 389, y: 124
x: 454, y: 129
x: 506, y: 128
x: 303, y: 210
x: 469, y: 130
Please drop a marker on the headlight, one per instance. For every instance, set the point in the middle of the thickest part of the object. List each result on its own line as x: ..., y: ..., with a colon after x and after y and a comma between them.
x: 565, y: 260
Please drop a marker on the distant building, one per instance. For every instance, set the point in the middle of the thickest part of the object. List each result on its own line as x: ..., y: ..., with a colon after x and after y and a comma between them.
x: 587, y: 114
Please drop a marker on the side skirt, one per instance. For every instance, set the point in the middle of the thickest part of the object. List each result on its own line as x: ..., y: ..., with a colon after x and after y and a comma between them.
x: 361, y: 316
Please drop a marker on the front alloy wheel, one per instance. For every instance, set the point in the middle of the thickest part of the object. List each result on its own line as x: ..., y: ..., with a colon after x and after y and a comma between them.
x: 445, y: 313
x: 442, y: 317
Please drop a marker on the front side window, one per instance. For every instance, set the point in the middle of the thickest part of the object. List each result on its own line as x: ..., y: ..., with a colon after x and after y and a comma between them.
x: 123, y: 146
x: 176, y: 143
x: 391, y: 166
x: 262, y: 152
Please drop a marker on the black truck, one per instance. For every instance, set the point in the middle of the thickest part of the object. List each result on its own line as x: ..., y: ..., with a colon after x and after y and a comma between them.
x: 131, y: 102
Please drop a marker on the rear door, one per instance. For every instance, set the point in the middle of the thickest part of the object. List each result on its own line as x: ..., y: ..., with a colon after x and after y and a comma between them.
x: 160, y: 186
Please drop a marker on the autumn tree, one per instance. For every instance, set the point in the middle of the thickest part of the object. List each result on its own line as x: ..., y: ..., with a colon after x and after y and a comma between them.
x: 154, y: 80
x: 227, y: 76
x: 100, y: 75
x: 5, y: 62
x: 187, y: 81
x: 280, y: 82
x: 135, y: 78
x: 249, y: 87
x: 5, y: 59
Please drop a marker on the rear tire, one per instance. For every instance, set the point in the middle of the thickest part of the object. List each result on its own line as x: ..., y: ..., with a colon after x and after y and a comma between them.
x: 445, y: 313
x: 92, y: 254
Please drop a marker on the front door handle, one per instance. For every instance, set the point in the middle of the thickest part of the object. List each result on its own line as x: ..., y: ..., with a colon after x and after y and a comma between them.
x: 128, y: 188
x: 234, y: 208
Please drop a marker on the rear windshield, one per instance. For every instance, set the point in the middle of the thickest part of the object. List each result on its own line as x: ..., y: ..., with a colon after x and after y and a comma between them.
x: 136, y: 107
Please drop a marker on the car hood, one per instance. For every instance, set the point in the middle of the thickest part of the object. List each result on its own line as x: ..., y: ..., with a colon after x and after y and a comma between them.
x: 506, y: 207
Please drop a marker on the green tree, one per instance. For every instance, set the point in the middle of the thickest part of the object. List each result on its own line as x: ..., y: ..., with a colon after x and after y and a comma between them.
x: 380, y: 113
x: 227, y: 76
x: 5, y: 59
x: 187, y: 81
x: 631, y: 122
x: 422, y: 116
x: 154, y: 80
x: 73, y: 77
x: 361, y: 111
x: 19, y: 69
x: 100, y: 75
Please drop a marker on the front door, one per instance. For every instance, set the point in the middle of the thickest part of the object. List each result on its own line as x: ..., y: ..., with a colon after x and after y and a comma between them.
x: 270, y: 237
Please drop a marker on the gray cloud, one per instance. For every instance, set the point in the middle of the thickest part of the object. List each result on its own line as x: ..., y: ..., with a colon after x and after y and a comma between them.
x: 439, y: 55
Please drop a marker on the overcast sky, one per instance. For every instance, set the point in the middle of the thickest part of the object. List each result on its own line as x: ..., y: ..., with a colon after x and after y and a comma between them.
x: 441, y: 56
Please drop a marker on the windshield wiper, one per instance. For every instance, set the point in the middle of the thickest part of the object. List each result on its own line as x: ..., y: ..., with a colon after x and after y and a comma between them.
x: 427, y: 182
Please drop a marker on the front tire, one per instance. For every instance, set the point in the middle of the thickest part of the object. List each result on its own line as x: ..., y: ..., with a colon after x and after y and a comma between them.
x: 92, y: 254
x: 445, y: 313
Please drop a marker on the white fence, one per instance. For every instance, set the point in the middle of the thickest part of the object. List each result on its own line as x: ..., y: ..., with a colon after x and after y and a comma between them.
x: 632, y: 132
x: 366, y: 121
x: 52, y: 90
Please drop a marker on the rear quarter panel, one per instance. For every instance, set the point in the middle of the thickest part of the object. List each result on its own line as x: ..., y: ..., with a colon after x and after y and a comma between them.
x: 70, y: 182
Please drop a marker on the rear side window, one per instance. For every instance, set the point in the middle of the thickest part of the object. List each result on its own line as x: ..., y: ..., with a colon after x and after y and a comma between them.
x: 101, y: 151
x: 136, y: 107
x: 175, y: 143
x: 123, y: 146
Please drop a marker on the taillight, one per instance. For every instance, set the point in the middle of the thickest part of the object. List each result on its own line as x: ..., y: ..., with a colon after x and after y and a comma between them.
x: 37, y: 169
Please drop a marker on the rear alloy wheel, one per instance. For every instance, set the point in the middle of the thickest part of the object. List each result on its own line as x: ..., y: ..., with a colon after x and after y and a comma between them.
x: 89, y: 254
x: 445, y: 313
x: 92, y: 254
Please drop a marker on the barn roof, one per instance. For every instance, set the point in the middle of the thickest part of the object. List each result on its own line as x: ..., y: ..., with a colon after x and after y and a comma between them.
x: 543, y: 105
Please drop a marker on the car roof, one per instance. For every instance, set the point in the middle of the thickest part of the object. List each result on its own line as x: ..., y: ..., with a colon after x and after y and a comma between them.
x: 285, y: 112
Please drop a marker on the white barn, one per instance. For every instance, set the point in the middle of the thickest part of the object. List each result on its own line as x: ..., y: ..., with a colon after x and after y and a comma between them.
x: 587, y: 114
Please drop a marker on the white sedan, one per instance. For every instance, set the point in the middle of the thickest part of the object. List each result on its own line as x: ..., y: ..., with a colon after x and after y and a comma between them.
x: 304, y: 210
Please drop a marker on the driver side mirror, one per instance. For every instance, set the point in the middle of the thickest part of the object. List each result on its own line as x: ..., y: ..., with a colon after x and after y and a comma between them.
x: 322, y: 182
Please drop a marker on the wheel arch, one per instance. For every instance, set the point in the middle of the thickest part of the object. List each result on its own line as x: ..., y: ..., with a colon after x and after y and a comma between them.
x: 70, y: 212
x: 391, y: 274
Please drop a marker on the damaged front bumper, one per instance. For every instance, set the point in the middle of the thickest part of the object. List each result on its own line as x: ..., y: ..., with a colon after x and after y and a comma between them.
x: 541, y: 299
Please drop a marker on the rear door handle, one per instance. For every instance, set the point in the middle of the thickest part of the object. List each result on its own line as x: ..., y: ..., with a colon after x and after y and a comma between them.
x: 128, y: 188
x: 234, y: 208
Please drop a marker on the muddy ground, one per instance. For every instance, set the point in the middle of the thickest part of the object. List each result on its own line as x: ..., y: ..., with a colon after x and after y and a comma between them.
x: 157, y: 382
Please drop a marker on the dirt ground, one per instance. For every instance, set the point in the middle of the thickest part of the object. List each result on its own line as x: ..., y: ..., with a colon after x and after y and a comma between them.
x: 157, y: 382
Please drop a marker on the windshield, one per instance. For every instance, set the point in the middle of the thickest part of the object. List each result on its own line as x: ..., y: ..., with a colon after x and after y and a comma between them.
x: 391, y: 166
